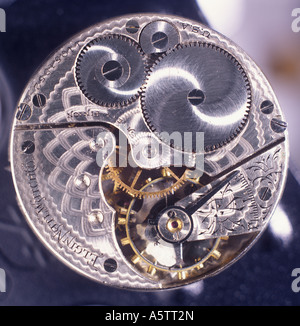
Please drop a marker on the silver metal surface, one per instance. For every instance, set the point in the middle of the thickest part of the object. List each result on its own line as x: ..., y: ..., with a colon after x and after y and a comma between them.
x: 158, y: 36
x: 200, y: 88
x: 148, y: 224
x: 110, y: 70
x: 174, y: 225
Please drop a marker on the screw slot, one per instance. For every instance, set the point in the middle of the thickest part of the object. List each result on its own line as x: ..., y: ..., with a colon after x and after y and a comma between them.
x: 265, y: 193
x: 24, y: 112
x: 159, y: 40
x: 39, y: 100
x: 267, y: 107
x: 196, y: 97
x: 28, y: 147
x: 132, y: 26
x: 278, y: 125
x: 110, y: 265
x: 112, y: 70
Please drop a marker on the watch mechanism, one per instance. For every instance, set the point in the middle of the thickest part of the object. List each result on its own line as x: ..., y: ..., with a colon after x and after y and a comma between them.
x: 149, y: 152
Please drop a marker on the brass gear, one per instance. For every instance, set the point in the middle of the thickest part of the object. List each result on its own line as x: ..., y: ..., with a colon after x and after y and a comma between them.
x: 117, y: 175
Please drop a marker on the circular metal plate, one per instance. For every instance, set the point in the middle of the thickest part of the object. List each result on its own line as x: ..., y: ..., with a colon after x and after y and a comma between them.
x: 97, y: 140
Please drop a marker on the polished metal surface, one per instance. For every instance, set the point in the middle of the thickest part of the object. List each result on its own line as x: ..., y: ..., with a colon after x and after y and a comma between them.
x: 98, y: 184
x: 110, y: 70
x: 158, y: 37
x: 174, y: 224
x: 200, y: 88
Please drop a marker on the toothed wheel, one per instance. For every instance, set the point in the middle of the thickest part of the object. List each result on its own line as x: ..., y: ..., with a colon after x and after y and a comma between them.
x: 197, y: 87
x: 132, y: 180
x: 110, y: 70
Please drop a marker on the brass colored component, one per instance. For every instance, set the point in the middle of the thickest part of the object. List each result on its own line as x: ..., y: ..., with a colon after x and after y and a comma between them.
x: 174, y: 225
x: 140, y: 176
x: 125, y: 241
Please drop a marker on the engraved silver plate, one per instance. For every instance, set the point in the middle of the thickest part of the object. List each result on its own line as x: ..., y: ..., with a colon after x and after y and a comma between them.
x: 98, y: 136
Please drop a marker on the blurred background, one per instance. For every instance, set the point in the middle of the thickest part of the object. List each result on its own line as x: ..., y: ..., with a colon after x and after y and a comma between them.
x: 263, y: 28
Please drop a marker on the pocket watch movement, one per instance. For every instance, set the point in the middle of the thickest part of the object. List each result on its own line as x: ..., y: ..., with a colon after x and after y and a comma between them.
x: 148, y: 152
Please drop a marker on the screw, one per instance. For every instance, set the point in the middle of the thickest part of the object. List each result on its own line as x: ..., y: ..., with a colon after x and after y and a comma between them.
x: 28, y: 147
x: 96, y: 216
x: 110, y: 265
x: 24, y: 112
x: 265, y: 193
x: 172, y: 214
x: 160, y: 40
x: 112, y: 70
x: 132, y: 26
x: 97, y: 144
x: 39, y: 100
x: 267, y: 107
x: 82, y: 182
x: 278, y: 126
x: 196, y: 97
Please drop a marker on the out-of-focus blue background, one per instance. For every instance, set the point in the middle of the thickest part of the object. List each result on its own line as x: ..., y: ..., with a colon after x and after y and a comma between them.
x: 263, y: 28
